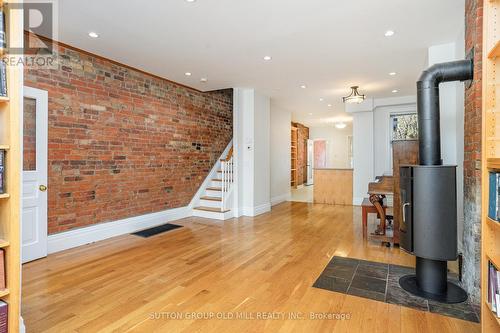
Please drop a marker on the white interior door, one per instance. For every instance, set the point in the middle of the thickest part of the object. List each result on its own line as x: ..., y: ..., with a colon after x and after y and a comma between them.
x: 34, y: 192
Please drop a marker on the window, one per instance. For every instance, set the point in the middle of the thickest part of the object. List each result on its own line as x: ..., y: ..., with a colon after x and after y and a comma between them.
x: 404, y: 126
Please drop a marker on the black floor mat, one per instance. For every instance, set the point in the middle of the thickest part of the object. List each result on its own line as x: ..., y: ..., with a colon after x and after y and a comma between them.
x: 156, y: 230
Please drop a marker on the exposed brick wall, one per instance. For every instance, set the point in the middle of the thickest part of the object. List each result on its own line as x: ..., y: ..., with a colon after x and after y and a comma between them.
x: 472, y: 152
x: 302, y: 136
x: 123, y: 143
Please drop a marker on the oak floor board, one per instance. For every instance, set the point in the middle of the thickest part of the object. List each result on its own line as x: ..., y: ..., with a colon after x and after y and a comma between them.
x: 248, y: 265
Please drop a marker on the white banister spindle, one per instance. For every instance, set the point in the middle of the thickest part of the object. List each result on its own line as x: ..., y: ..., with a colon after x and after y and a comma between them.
x: 227, y: 180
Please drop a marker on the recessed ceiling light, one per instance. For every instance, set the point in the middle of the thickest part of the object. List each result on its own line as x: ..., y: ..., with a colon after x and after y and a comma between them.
x: 310, y: 114
x: 203, y: 79
x: 187, y: 74
x: 392, y: 73
x: 303, y: 86
x: 394, y: 91
x: 329, y: 105
x: 93, y: 34
x: 190, y: 0
x: 267, y: 58
x: 321, y: 99
x: 389, y: 33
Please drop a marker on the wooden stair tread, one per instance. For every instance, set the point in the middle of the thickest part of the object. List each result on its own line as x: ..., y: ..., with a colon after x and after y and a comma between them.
x: 216, y: 179
x: 211, y: 209
x: 214, y: 188
x: 211, y: 198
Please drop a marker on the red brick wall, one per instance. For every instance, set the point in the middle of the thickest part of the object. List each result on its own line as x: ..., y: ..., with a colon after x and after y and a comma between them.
x: 124, y: 143
x: 472, y: 151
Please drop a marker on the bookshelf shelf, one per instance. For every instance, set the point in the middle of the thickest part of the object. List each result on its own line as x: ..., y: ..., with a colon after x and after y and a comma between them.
x: 493, y: 316
x: 4, y: 292
x: 10, y: 136
x: 490, y: 159
x: 495, y: 51
x: 293, y: 156
x: 493, y: 163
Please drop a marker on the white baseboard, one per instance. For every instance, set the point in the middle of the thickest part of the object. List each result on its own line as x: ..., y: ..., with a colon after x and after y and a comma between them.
x: 22, y: 328
x: 257, y: 210
x: 280, y: 198
x: 357, y: 201
x: 73, y: 238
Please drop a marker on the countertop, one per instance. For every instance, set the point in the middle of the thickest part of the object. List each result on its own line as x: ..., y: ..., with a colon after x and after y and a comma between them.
x: 340, y: 169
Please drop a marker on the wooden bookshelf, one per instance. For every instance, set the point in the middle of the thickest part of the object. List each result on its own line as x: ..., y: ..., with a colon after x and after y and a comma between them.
x: 10, y: 202
x: 293, y: 154
x: 490, y: 159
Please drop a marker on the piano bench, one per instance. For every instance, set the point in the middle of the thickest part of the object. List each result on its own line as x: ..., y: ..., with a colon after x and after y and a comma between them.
x: 367, y: 208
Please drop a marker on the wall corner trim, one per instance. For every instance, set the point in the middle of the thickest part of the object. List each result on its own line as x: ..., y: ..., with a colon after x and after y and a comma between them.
x: 82, y: 236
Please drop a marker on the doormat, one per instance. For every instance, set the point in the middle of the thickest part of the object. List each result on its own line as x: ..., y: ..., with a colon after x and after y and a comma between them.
x: 156, y: 230
x: 380, y: 282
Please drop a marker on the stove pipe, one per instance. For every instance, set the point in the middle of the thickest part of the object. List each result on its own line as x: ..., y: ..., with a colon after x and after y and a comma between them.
x: 428, y: 105
x: 428, y: 194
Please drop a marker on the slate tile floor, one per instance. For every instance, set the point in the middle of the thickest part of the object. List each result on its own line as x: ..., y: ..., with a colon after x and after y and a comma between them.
x: 380, y: 282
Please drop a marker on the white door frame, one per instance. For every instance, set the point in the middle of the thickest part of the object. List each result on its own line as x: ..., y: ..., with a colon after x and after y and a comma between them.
x: 39, y: 197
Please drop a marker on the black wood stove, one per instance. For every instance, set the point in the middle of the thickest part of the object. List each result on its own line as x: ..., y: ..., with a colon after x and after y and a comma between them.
x: 428, y: 195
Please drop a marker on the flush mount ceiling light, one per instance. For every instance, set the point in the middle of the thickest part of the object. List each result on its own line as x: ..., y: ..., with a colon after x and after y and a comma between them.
x: 310, y: 114
x: 190, y: 0
x: 187, y: 74
x: 321, y: 100
x: 329, y: 105
x: 392, y: 73
x: 340, y: 125
x: 268, y: 58
x: 303, y: 86
x: 394, y: 91
x: 354, y: 96
x: 203, y: 79
x: 93, y: 34
x: 389, y: 33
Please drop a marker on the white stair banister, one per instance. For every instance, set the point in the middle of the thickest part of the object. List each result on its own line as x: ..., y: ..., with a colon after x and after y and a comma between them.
x: 227, y: 180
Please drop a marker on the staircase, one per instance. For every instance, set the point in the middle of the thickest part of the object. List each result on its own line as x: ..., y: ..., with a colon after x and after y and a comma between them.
x: 216, y: 201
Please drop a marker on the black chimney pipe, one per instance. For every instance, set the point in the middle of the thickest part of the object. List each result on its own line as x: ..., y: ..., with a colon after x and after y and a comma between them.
x: 428, y: 194
x: 428, y: 105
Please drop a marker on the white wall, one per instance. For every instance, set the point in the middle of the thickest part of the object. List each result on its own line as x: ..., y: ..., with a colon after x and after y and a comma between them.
x: 362, y: 133
x: 280, y: 154
x: 251, y: 137
x: 382, y: 129
x: 262, y: 143
x: 337, y: 148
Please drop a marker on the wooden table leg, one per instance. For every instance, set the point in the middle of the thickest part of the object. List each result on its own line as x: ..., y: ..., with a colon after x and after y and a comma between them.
x: 365, y: 222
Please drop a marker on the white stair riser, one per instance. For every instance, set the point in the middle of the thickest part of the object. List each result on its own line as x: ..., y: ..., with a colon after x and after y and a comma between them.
x: 210, y: 193
x: 208, y: 215
x: 210, y: 203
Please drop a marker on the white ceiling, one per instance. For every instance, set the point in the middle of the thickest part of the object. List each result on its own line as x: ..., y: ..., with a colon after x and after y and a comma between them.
x: 325, y: 44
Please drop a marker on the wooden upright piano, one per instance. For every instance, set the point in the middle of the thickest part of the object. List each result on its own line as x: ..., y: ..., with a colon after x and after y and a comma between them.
x: 403, y: 152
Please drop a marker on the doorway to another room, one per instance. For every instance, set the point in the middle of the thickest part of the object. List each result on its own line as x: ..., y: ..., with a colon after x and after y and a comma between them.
x: 302, y: 164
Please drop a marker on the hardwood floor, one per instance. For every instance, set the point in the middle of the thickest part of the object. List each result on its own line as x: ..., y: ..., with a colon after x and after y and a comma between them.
x: 248, y: 266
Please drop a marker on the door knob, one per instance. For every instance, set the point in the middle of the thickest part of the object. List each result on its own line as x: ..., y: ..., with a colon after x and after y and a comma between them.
x: 42, y: 188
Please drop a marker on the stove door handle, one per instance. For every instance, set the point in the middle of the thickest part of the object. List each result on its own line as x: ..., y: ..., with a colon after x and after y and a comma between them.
x: 404, y: 211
